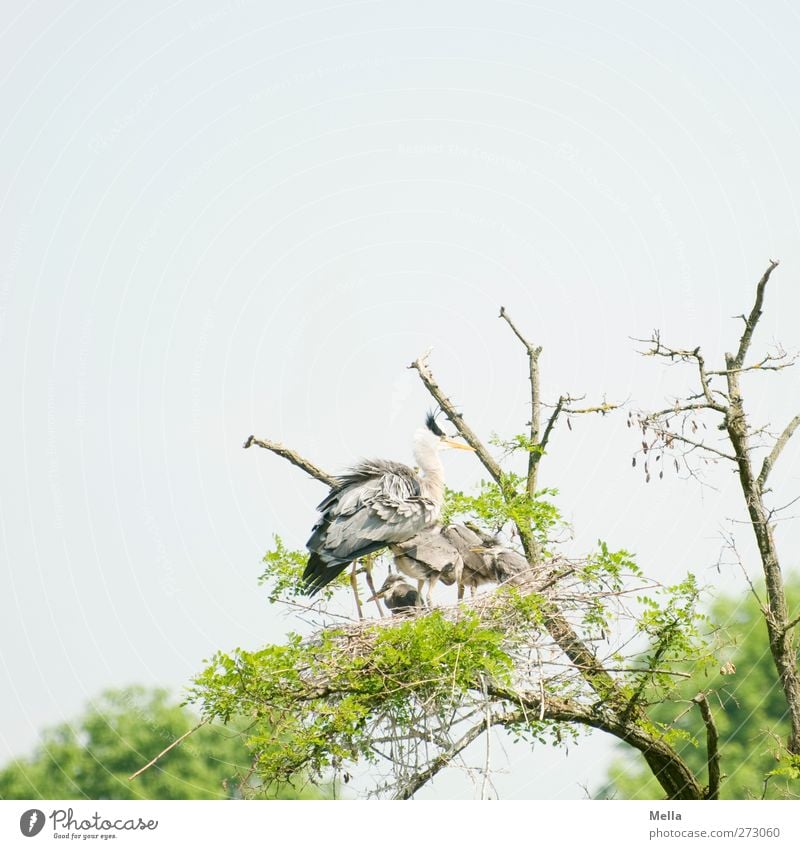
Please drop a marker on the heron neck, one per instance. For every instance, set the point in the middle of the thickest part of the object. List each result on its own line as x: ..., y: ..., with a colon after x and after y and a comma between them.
x: 432, y: 469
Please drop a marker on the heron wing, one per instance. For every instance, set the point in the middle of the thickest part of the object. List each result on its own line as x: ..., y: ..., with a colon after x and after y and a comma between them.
x: 430, y: 548
x: 476, y: 568
x: 376, y: 503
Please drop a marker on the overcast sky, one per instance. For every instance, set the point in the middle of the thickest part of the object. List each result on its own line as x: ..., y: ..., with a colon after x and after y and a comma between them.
x: 224, y: 218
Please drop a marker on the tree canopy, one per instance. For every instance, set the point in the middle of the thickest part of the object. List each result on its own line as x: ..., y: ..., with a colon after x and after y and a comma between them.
x: 749, y: 710
x: 571, y: 643
x: 94, y: 756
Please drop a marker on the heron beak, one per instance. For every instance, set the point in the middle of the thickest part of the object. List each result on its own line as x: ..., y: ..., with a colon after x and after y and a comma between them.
x: 454, y: 443
x: 479, y: 549
x: 376, y: 597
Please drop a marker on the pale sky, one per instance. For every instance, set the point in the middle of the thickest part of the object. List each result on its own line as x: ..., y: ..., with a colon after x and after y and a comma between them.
x: 224, y: 218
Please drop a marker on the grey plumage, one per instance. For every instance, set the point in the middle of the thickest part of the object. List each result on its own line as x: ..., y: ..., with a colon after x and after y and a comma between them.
x: 486, y: 561
x: 377, y: 503
x: 401, y: 598
x: 428, y: 556
x: 458, y: 554
x: 505, y: 562
x: 477, y: 570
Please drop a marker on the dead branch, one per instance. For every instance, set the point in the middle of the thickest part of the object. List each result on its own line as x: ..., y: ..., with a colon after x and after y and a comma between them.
x: 447, y: 406
x: 535, y: 423
x: 659, y: 349
x: 665, y: 432
x: 751, y: 321
x: 442, y: 760
x: 293, y: 457
x: 603, y: 408
x: 549, y: 426
x: 780, y: 444
x: 169, y: 748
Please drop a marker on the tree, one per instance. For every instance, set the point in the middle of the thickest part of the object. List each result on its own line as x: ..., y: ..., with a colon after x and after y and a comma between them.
x: 753, y: 452
x: 750, y: 712
x: 573, y: 644
x: 93, y: 757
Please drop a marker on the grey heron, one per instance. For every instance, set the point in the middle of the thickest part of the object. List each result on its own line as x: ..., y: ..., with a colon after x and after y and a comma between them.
x: 428, y: 556
x: 485, y: 560
x: 376, y: 503
x: 400, y: 597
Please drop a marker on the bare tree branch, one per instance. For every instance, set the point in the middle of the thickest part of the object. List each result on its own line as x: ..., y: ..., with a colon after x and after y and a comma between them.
x: 659, y: 349
x: 293, y: 457
x: 771, y: 458
x: 169, y: 748
x: 741, y: 436
x: 441, y: 761
x: 489, y: 463
x: 752, y: 320
x: 603, y: 408
x: 665, y: 432
x: 666, y: 765
x: 712, y: 746
x: 550, y: 424
x: 533, y: 373
x: 792, y: 623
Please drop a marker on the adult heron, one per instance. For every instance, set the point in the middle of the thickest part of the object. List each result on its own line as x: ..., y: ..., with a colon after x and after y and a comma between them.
x: 376, y: 503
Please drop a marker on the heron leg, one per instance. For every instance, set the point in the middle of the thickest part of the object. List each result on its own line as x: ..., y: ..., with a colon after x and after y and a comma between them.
x: 473, y: 590
x: 371, y: 585
x: 460, y: 591
x: 354, y: 585
x: 431, y: 584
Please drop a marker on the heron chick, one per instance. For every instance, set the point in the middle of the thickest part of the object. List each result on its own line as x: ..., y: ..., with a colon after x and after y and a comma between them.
x: 400, y: 597
x: 428, y: 556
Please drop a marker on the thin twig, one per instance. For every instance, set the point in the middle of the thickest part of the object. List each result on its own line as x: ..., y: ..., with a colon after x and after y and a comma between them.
x: 791, y: 624
x: 419, y: 779
x: 171, y: 746
x: 771, y: 458
x: 533, y: 374
x: 488, y: 716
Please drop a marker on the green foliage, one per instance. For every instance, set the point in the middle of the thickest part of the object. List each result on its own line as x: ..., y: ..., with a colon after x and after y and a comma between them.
x: 92, y: 757
x: 496, y: 505
x: 671, y: 622
x: 322, y: 701
x: 283, y: 573
x: 518, y: 442
x: 745, y: 698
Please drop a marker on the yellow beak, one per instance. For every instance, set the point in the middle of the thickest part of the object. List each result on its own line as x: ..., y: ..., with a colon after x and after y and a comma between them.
x: 453, y: 443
